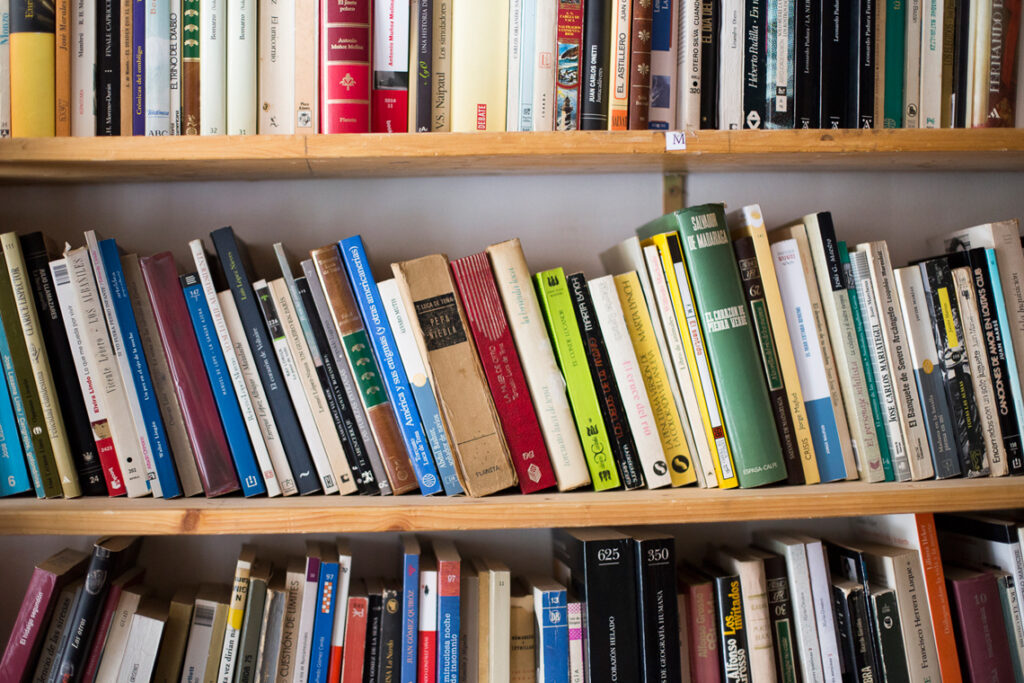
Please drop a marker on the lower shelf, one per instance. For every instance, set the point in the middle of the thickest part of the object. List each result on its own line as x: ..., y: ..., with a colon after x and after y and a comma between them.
x: 98, y: 516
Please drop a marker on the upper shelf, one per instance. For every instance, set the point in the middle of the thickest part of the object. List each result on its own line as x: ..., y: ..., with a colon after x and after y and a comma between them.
x: 331, y: 514
x: 433, y: 154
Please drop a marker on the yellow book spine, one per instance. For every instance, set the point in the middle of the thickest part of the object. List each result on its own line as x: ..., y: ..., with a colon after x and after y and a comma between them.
x: 707, y: 399
x: 777, y: 315
x: 648, y: 356
x: 33, y: 104
x: 479, y: 30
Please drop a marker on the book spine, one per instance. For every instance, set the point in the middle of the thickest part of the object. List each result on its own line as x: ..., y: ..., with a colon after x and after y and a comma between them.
x: 5, y: 69
x: 422, y: 387
x: 842, y: 607
x: 397, y: 384
x: 543, y: 91
x: 732, y: 636
x: 527, y: 59
x: 1001, y: 78
x: 702, y: 640
x: 440, y: 84
x: 371, y: 663
x: 659, y: 616
x: 780, y: 38
x: 426, y: 645
x: 710, y: 30
x: 569, y: 36
x: 889, y: 637
x: 306, y: 617
x: 241, y: 45
x: 610, y: 402
x: 514, y: 64
x: 157, y: 65
x: 32, y: 41
x: 982, y: 631
x: 126, y: 64
x: 275, y: 71
x: 355, y: 640
x: 821, y: 594
x: 212, y: 67
x: 408, y: 651
x: 149, y: 411
x: 612, y: 628
x: 56, y: 630
x: 863, y: 646
x: 755, y: 110
x: 640, y: 66
x: 62, y: 67
x: 574, y: 620
x: 306, y: 46
x: 84, y: 81
x: 730, y: 74
x: 14, y: 475
x: 912, y: 64
x: 501, y: 364
x: 835, y: 59
x: 390, y: 95
x: 138, y: 67
x: 448, y: 621
x: 549, y: 609
x: 895, y: 41
x: 425, y: 59
x: 323, y: 622
x: 930, y: 98
x: 753, y: 290
x: 174, y: 26
x: 619, y: 76
x: 345, y: 67
x: 190, y: 67
x: 236, y: 617
x: 1002, y: 325
x: 938, y: 600
x: 780, y: 611
x: 1011, y: 616
x: 108, y: 89
x: 807, y: 64
x: 594, y: 94
x: 676, y: 84
x: 865, y: 41
x: 257, y: 616
x: 29, y: 625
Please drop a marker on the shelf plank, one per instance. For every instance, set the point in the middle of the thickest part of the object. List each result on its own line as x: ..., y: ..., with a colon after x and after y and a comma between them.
x: 156, y: 159
x: 97, y: 516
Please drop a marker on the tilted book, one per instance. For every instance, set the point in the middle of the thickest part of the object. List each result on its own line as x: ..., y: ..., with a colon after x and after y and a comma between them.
x: 14, y: 476
x: 982, y: 641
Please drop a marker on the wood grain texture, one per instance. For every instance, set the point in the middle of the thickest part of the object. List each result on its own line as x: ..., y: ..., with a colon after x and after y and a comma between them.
x: 367, y: 155
x: 97, y: 516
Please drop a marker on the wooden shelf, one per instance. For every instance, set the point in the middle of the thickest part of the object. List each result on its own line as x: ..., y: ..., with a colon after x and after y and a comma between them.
x: 97, y: 516
x: 270, y: 157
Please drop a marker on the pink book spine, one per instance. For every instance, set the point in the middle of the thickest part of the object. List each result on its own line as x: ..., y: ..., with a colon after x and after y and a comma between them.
x: 345, y: 75
x: 355, y: 640
x: 704, y: 659
x: 19, y: 656
x: 504, y: 373
x: 111, y: 470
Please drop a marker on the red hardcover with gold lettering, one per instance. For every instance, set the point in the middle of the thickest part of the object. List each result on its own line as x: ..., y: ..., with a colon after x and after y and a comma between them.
x: 345, y: 66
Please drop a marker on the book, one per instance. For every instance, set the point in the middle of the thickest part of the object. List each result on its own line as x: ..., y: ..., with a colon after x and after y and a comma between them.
x: 426, y: 628
x: 144, y: 640
x: 128, y: 578
x: 981, y: 633
x: 701, y: 625
x: 390, y: 643
x: 574, y: 619
x: 5, y: 72
x: 306, y: 613
x: 552, y: 629
x: 343, y: 551
x: 847, y: 562
x: 275, y: 71
x: 522, y: 635
x: 345, y: 67
x: 240, y: 67
x: 449, y: 636
x: 268, y: 654
x: 619, y: 73
x: 294, y: 587
x: 641, y: 44
x: 441, y: 65
x: 569, y: 54
x: 479, y: 32
x: 209, y: 613
x: 374, y: 589
x: 852, y: 625
x: 470, y: 614
x: 116, y: 642
x: 807, y: 65
x: 156, y: 91
x: 229, y: 654
x: 14, y: 476
x: 594, y: 76
x: 323, y: 618
x: 754, y: 44
x: 213, y: 75
x: 494, y: 617
x: 32, y: 57
x: 190, y: 67
x: 1011, y: 615
x: 407, y: 656
x: 749, y: 569
x: 198, y: 407
x: 126, y: 67
x: 553, y: 292
x: 729, y: 67
x: 526, y: 322
x: 658, y: 617
x: 57, y: 630
x: 505, y: 378
x: 780, y: 613
x: 396, y: 382
x: 889, y: 634
x: 520, y: 33
x: 175, y: 637
x: 355, y: 634
x: 677, y: 27
x: 780, y: 65
x: 390, y: 95
x: 731, y: 626
x: 304, y: 73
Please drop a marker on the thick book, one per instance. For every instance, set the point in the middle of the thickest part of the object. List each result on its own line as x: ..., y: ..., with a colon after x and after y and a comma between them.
x: 396, y: 382
x: 345, y: 67
x: 449, y: 636
x: 552, y: 628
x: 981, y: 631
x: 569, y: 53
x: 600, y: 564
x: 730, y: 343
x: 32, y: 84
x: 553, y: 292
x: 543, y: 377
x: 594, y: 77
x: 731, y: 631
x: 172, y: 646
x: 213, y: 456
x: 233, y: 259
x: 479, y: 32
x: 658, y: 616
x: 144, y: 637
x: 505, y: 378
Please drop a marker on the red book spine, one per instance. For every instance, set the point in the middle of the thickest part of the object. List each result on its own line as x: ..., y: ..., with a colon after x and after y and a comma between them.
x: 390, y: 110
x: 345, y: 66
x: 19, y: 658
x: 569, y: 54
x: 982, y: 638
x: 938, y: 600
x: 213, y: 458
x: 704, y: 659
x: 427, y: 662
x: 389, y: 104
x: 504, y: 373
x: 334, y: 665
x: 1002, y: 75
x: 92, y: 661
x: 355, y: 640
x: 111, y: 470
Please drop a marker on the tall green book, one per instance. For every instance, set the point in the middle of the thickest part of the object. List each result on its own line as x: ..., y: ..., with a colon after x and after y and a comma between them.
x: 729, y: 340
x: 556, y: 302
x: 895, y: 48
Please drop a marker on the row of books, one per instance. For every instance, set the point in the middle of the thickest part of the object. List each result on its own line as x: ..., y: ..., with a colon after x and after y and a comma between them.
x: 898, y: 598
x: 209, y: 67
x: 715, y: 352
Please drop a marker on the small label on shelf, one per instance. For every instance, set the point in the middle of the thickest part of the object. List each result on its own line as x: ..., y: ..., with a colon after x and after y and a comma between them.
x: 675, y: 140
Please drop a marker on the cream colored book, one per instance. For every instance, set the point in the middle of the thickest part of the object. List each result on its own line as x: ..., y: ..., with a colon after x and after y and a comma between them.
x: 41, y: 372
x: 618, y: 64
x: 241, y: 67
x: 117, y: 634
x: 749, y: 222
x: 495, y: 591
x: 144, y: 638
x: 276, y: 59
x: 307, y: 37
x: 545, y: 62
x: 753, y: 587
x: 480, y: 39
x: 213, y: 73
x: 547, y: 387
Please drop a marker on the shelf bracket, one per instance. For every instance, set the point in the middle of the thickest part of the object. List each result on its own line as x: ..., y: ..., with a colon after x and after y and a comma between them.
x: 673, y: 192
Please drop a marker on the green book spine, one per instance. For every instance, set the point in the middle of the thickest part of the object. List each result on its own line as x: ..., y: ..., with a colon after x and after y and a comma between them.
x: 729, y: 339
x: 556, y: 302
x: 44, y: 469
x: 895, y: 45
x: 865, y: 358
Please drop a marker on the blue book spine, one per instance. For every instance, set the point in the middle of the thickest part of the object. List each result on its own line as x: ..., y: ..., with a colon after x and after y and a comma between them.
x: 19, y: 412
x: 661, y: 83
x: 553, y: 631
x: 155, y: 434
x: 1004, y: 325
x: 223, y: 391
x: 410, y: 616
x: 397, y: 384
x: 13, y: 469
x: 448, y: 626
x: 139, y: 67
x: 439, y: 446
x: 323, y: 623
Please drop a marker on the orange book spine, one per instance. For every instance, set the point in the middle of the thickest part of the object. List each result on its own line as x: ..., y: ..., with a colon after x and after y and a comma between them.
x: 938, y: 600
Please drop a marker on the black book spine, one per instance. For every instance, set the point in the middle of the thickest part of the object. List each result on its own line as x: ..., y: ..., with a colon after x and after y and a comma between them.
x: 230, y: 255
x: 860, y: 627
x: 889, y: 638
x: 65, y: 376
x: 597, y: 16
x: 424, y: 53
x: 732, y: 631
x: 371, y: 654
x: 848, y: 562
x: 865, y: 42
x: 710, y: 15
x: 961, y: 54
x: 108, y: 68
x: 337, y: 401
x: 755, y: 61
x: 780, y: 612
x: 955, y: 365
x: 834, y: 62
x: 659, y: 609
x: 753, y: 290
x: 808, y: 64
x: 844, y: 620
x: 390, y: 658
x: 612, y: 410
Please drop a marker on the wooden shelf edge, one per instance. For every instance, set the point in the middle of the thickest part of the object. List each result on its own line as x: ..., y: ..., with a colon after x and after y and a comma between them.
x: 198, y: 516
x: 280, y: 157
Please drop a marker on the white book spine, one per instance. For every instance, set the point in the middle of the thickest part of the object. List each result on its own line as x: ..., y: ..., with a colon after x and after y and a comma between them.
x: 755, y: 610
x: 141, y: 650
x: 978, y: 358
x: 903, y: 576
x: 527, y: 54
x: 428, y: 602
x: 1017, y: 568
x: 83, y: 68
x: 341, y: 592
x: 674, y: 341
x: 982, y: 42
x: 307, y: 39
x: 304, y: 634
x: 915, y: 436
x: 688, y: 80
x: 276, y: 67
x: 241, y: 67
x: 824, y: 617
x: 212, y: 68
x: 544, y: 66
x: 930, y: 113
x: 114, y: 648
x: 500, y: 595
x: 199, y: 636
x: 158, y: 67
x: 730, y: 67
x: 515, y: 38
x: 626, y: 370
x: 5, y: 69
x: 547, y: 387
x: 618, y: 65
x: 252, y: 427
x: 174, y: 70
x: 247, y: 364
x: 912, y: 65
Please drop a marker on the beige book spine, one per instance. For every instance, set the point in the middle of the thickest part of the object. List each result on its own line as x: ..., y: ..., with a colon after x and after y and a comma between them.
x: 479, y: 31
x: 307, y: 22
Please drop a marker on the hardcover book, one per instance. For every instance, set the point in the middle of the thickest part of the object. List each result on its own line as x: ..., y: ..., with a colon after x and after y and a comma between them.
x: 640, y: 65
x: 345, y: 67
x: 569, y: 53
x: 981, y: 631
x: 390, y: 95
